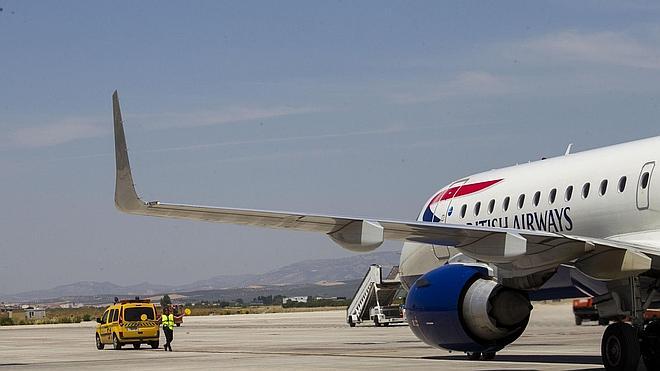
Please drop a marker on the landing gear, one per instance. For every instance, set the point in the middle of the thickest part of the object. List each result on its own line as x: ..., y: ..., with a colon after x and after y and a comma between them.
x: 488, y: 356
x: 485, y: 356
x: 473, y: 356
x: 650, y: 345
x: 620, y: 347
x: 624, y: 344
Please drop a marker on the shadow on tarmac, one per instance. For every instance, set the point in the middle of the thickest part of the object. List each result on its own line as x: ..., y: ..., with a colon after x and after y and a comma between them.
x: 569, y: 359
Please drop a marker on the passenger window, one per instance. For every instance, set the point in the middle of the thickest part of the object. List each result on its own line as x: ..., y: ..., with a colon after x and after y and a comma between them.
x: 115, y: 317
x: 552, y: 196
x: 569, y: 193
x: 603, y: 187
x: 521, y: 201
x: 537, y: 198
x: 622, y: 184
x: 645, y: 180
x: 477, y: 208
x: 505, y: 203
x: 491, y: 206
x: 463, y: 211
x: 585, y: 190
x: 110, y: 315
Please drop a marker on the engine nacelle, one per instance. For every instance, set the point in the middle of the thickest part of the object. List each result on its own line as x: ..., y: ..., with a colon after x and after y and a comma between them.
x: 459, y: 307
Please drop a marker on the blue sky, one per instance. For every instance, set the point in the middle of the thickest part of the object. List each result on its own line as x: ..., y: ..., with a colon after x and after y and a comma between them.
x: 334, y: 107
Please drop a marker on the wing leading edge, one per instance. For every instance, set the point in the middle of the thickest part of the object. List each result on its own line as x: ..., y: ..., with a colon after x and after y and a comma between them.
x: 520, y: 252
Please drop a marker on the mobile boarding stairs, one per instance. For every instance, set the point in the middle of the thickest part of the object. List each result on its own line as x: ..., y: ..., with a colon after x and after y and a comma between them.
x: 373, y: 299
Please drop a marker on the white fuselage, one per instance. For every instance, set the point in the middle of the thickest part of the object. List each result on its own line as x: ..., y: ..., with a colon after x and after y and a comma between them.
x: 609, y: 192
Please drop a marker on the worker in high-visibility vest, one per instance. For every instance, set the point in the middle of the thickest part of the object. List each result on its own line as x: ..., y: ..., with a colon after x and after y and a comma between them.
x: 167, y: 319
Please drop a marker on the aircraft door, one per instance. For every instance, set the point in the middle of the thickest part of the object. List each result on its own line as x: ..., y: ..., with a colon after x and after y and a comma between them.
x: 445, y: 208
x: 643, y: 185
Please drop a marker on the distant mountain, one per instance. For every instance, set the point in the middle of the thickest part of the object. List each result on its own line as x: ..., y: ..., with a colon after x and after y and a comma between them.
x: 304, y: 272
x: 88, y: 288
x: 343, y: 269
x: 220, y: 282
x: 321, y: 271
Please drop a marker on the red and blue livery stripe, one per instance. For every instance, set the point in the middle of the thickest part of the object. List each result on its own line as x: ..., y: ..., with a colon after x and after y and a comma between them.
x: 457, y: 191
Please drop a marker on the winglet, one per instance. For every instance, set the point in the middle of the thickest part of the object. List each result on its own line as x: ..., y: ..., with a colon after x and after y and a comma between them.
x: 126, y: 199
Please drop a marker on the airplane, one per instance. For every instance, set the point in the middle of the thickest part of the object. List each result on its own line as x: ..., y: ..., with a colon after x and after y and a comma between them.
x: 486, y: 246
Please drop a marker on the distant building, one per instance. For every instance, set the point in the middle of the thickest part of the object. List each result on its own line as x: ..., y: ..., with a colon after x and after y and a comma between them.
x: 28, y: 313
x: 297, y: 299
x: 70, y: 305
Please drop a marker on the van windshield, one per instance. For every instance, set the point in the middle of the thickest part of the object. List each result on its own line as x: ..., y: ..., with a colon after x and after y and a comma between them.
x: 134, y: 314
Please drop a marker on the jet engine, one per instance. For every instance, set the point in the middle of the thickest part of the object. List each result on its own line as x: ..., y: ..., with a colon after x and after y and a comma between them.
x: 459, y: 307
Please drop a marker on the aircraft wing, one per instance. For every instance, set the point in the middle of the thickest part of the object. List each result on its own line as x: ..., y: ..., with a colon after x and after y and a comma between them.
x: 519, y: 251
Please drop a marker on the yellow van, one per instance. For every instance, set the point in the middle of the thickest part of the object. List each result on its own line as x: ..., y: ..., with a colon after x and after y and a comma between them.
x: 128, y: 322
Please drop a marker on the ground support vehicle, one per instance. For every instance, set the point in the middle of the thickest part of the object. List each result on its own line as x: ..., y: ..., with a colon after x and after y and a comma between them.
x: 384, y: 315
x: 128, y: 322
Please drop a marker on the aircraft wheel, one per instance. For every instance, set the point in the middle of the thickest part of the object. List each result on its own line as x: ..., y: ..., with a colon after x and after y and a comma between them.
x: 473, y: 356
x: 488, y: 356
x: 651, y: 346
x: 620, y: 347
x: 99, y: 344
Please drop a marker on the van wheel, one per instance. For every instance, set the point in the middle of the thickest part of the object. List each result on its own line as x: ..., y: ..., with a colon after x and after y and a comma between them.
x: 99, y: 344
x: 136, y: 345
x: 154, y: 344
x: 116, y: 344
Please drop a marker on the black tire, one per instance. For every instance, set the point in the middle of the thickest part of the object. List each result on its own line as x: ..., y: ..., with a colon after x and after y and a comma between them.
x: 136, y: 345
x: 603, y: 321
x: 651, y: 346
x: 99, y: 344
x: 116, y: 344
x: 578, y: 320
x: 488, y: 356
x: 619, y: 348
x: 154, y: 344
x: 178, y: 325
x: 350, y: 322
x: 376, y: 322
x: 473, y: 356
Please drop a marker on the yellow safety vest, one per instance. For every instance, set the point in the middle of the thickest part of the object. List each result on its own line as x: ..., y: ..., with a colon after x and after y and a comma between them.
x: 168, y: 321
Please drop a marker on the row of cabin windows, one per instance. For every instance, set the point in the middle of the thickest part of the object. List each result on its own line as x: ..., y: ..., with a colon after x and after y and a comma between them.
x: 552, y: 195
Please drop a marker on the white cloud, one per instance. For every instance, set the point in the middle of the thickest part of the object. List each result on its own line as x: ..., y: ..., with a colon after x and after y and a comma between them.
x: 218, y: 117
x: 609, y: 48
x: 60, y: 132
x: 71, y: 129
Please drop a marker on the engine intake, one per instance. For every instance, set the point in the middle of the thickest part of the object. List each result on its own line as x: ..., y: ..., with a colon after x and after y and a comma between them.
x: 459, y: 307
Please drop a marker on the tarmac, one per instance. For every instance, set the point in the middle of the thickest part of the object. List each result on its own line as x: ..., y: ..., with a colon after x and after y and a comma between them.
x: 310, y: 340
